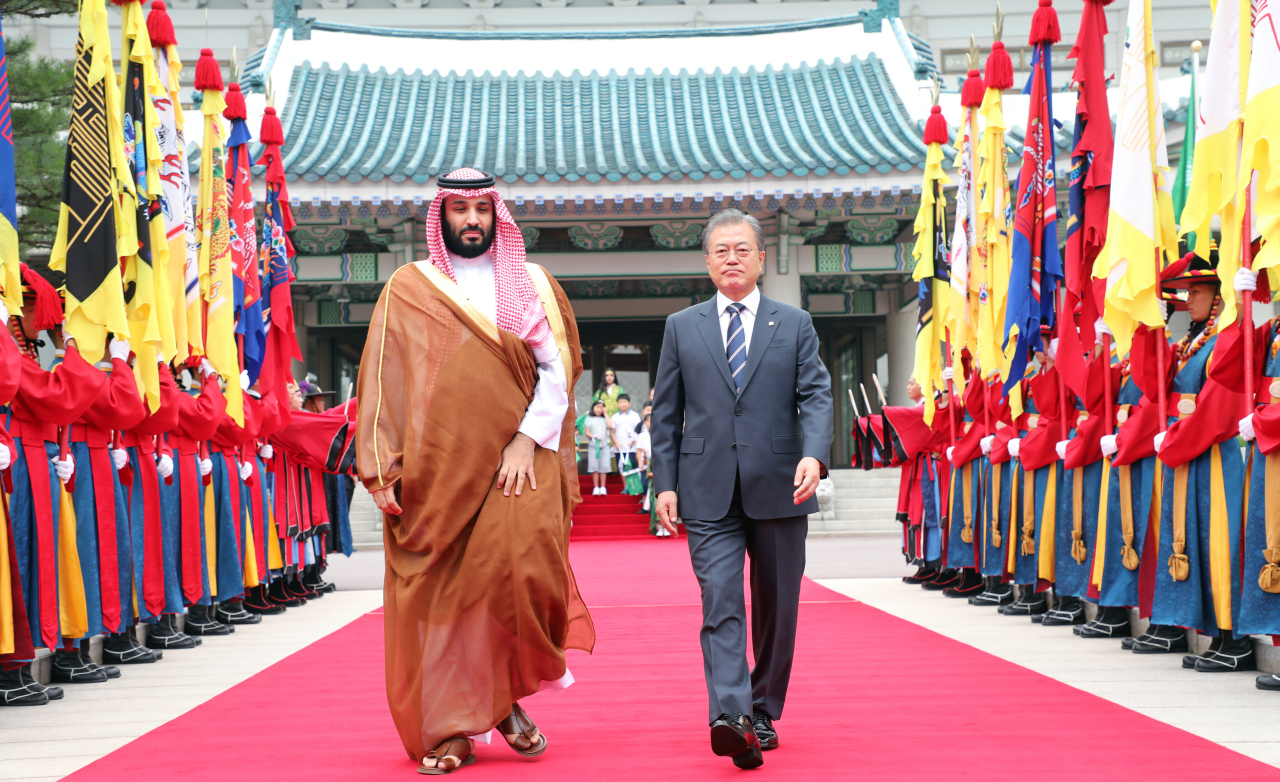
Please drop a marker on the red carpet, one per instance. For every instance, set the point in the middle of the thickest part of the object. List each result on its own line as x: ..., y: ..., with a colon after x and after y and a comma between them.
x: 611, y: 517
x: 872, y: 698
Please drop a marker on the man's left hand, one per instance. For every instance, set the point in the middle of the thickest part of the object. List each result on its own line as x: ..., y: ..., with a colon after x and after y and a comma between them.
x: 808, y: 473
x: 516, y: 464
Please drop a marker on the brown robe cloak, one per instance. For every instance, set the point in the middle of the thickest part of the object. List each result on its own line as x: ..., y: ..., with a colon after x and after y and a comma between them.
x: 480, y: 600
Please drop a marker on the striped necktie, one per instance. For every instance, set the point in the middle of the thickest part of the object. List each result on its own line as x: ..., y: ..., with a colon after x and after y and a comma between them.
x: 735, y: 347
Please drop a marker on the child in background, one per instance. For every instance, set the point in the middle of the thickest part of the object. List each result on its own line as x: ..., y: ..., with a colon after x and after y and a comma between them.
x: 624, y: 424
x: 644, y: 454
x: 596, y: 427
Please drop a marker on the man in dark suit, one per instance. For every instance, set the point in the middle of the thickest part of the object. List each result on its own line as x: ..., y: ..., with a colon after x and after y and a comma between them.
x: 741, y: 430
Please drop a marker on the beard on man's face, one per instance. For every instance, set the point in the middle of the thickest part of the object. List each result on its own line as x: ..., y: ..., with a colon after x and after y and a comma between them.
x: 466, y: 248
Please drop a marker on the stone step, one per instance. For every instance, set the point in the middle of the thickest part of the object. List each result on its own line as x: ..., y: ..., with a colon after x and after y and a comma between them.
x: 878, y: 504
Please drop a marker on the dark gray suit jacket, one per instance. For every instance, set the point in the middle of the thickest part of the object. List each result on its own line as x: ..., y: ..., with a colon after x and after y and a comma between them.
x: 703, y: 433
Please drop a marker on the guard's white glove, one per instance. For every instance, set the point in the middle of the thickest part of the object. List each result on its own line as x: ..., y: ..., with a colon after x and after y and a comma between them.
x: 266, y: 452
x: 206, y: 367
x: 4, y: 313
x: 951, y: 452
x: 1061, y: 448
x: 244, y: 380
x: 1246, y: 427
x: 1015, y: 445
x: 66, y: 335
x: 65, y: 468
x: 119, y: 348
x: 5, y: 458
x: 119, y: 457
x: 1100, y: 327
x: 986, y: 443
x: 206, y: 467
x: 1159, y: 441
x: 1052, y: 350
x: 246, y: 469
x: 164, y: 466
x: 948, y: 374
x: 1245, y: 280
x: 1108, y: 444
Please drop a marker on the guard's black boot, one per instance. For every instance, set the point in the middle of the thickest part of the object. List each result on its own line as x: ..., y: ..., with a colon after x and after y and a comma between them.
x: 1190, y: 660
x: 200, y: 621
x: 1029, y: 604
x: 314, y: 580
x: 1111, y: 622
x: 69, y: 667
x: 997, y: 594
x: 1268, y: 681
x: 164, y: 634
x: 54, y: 693
x: 1161, y: 639
x: 1068, y: 611
x: 232, y: 612
x: 970, y: 584
x: 277, y: 594
x: 15, y: 691
x: 297, y: 588
x: 256, y: 601
x: 944, y: 580
x: 1235, y: 654
x: 923, y: 573
x: 124, y: 649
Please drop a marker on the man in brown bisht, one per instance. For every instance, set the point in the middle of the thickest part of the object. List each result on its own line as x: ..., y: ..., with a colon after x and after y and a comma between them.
x: 467, y: 368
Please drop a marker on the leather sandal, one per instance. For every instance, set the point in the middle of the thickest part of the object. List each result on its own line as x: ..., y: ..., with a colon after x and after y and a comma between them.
x: 447, y: 758
x: 521, y: 734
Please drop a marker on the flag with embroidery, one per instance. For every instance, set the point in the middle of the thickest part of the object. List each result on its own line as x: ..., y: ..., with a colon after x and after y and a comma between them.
x: 94, y: 231
x: 176, y: 208
x: 1036, y: 266
x: 217, y: 287
x: 932, y: 272
x: 277, y: 274
x: 250, y: 329
x: 10, y: 269
x: 1140, y: 231
x: 992, y: 270
x: 1260, y: 150
x: 959, y: 321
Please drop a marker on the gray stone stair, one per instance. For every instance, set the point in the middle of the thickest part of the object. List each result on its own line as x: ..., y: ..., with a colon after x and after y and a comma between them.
x: 366, y: 521
x: 865, y: 503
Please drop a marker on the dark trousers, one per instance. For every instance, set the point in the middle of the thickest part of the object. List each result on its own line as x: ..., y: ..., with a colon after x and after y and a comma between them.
x: 776, y: 549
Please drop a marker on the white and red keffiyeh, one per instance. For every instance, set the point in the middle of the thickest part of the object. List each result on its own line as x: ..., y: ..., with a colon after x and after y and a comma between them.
x: 519, y: 309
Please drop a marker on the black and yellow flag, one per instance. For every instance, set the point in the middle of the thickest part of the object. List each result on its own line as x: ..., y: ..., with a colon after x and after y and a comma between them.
x: 90, y: 240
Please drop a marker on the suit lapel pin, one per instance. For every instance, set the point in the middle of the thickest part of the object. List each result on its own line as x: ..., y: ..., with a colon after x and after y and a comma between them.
x: 770, y: 323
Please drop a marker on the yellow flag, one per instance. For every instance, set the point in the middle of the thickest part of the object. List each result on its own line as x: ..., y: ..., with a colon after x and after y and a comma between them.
x: 931, y: 263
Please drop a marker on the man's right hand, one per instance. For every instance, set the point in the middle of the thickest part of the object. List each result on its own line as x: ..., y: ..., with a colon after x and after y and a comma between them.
x: 385, y: 499
x: 667, y: 514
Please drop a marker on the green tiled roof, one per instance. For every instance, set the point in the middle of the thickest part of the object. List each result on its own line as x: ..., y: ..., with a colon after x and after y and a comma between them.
x: 822, y: 118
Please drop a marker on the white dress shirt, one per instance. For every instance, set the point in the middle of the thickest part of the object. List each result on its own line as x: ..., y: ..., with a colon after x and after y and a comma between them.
x: 748, y: 316
x: 545, y: 414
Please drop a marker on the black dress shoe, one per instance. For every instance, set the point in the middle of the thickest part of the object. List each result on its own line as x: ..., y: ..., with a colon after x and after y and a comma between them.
x: 164, y: 634
x: 1235, y: 654
x: 1268, y: 681
x: 232, y: 612
x: 257, y: 602
x: 944, y: 580
x: 19, y: 690
x: 54, y: 693
x: 200, y: 621
x: 763, y: 725
x: 69, y: 667
x: 1161, y: 639
x: 124, y: 649
x: 733, y: 736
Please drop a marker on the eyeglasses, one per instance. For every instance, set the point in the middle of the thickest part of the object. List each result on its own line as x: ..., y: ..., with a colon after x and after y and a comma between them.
x: 741, y: 253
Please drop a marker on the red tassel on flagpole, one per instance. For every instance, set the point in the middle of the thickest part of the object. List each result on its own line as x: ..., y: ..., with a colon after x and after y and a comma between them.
x: 1044, y: 25
x: 160, y: 26
x: 271, y: 132
x: 48, y: 309
x: 208, y: 73
x: 999, y: 68
x: 235, y: 103
x: 973, y: 89
x: 935, y: 129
